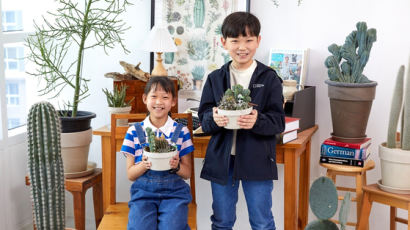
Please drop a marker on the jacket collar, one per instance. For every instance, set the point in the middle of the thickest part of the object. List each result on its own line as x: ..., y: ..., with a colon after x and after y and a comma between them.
x: 166, y: 129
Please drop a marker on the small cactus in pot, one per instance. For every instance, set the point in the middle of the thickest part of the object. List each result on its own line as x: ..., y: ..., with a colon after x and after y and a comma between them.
x: 159, y: 151
x: 234, y: 103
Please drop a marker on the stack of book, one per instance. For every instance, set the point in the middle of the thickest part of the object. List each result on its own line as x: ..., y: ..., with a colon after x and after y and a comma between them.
x: 336, y: 152
x: 291, y: 130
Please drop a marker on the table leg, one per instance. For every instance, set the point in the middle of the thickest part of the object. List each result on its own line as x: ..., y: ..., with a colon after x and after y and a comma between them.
x: 304, y: 178
x: 290, y: 192
x: 365, y: 212
x: 79, y: 210
x: 106, y: 170
x: 393, y: 214
x: 98, y: 202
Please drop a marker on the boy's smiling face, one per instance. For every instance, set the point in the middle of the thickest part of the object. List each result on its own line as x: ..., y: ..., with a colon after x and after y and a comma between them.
x: 241, y: 49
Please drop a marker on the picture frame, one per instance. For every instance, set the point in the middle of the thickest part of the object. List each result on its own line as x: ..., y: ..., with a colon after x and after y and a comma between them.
x: 290, y: 64
x: 195, y: 28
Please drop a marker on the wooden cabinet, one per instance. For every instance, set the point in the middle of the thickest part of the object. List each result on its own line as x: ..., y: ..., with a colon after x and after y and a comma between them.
x: 136, y: 89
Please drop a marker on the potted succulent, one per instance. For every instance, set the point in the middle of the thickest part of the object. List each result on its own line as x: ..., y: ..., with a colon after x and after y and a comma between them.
x: 350, y: 92
x: 234, y: 103
x: 116, y: 102
x: 159, y: 151
x: 57, y: 48
x: 395, y: 153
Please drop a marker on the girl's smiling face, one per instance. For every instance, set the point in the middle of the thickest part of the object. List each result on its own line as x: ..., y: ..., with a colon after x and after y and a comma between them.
x: 159, y: 103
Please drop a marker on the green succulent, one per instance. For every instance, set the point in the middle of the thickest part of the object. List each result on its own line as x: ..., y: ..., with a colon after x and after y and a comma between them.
x: 236, y: 98
x: 158, y: 145
x: 117, y: 97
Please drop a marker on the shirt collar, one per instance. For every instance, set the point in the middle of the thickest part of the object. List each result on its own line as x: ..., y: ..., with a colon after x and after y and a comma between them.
x: 165, y: 129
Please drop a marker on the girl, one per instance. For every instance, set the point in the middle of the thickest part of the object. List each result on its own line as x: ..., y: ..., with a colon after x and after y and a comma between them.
x: 159, y: 199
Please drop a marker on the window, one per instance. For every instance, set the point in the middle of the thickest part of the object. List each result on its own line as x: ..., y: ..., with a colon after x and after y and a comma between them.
x: 12, y: 94
x: 14, y: 58
x: 12, y: 20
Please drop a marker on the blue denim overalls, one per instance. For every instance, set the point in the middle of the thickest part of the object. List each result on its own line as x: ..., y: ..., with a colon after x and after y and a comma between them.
x: 159, y: 199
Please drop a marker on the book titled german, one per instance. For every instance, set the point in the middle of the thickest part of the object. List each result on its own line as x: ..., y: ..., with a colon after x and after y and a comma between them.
x: 342, y: 161
x: 291, y: 123
x: 365, y: 143
x: 336, y: 151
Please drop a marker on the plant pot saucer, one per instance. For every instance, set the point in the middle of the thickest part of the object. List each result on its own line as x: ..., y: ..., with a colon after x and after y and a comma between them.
x: 348, y: 139
x: 90, y: 169
x: 391, y: 189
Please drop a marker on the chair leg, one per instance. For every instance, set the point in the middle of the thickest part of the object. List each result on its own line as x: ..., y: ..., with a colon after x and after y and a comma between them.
x: 365, y: 212
x: 408, y: 216
x: 79, y: 210
x: 359, y: 195
x: 393, y: 214
x: 98, y: 201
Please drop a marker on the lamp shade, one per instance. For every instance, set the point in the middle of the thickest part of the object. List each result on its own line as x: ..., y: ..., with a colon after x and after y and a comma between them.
x: 159, y: 40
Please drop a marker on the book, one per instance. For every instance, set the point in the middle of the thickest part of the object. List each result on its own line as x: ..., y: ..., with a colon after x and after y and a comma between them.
x: 284, y: 138
x: 336, y: 151
x: 365, y: 143
x: 291, y: 123
x: 342, y: 161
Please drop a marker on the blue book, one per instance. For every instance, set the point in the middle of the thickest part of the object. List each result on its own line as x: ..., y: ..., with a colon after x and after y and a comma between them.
x: 341, y: 152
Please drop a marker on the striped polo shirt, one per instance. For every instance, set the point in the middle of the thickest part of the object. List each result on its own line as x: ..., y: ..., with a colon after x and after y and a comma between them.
x: 132, y: 146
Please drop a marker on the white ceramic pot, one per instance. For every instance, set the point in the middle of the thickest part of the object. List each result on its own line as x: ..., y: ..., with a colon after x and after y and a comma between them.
x: 160, y: 161
x: 395, y: 167
x: 233, y: 116
x: 74, y: 150
x: 120, y: 110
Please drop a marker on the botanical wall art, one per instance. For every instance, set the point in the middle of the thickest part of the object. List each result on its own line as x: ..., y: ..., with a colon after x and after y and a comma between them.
x: 195, y: 26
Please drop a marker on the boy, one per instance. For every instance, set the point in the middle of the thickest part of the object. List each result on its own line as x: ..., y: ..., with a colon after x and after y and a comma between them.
x: 248, y: 154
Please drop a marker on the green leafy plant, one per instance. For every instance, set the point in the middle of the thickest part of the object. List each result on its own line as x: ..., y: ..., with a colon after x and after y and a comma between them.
x: 236, y: 98
x: 158, y: 145
x: 117, y: 97
x: 53, y: 43
x: 355, y: 52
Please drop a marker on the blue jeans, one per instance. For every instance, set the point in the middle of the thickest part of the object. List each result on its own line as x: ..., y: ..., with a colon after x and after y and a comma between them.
x: 159, y: 200
x: 258, y: 196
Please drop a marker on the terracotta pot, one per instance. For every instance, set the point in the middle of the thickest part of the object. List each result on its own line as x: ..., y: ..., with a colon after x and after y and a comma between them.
x: 74, y: 150
x: 350, y: 105
x: 160, y: 161
x: 233, y: 116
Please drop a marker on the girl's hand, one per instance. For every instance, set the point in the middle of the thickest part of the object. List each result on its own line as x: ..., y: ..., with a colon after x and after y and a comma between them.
x: 220, y: 120
x: 248, y: 121
x: 145, y: 163
x: 174, y: 161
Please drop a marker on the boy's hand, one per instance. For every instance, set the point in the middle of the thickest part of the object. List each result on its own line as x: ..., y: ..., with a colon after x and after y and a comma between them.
x: 220, y: 120
x: 145, y: 163
x: 174, y: 161
x: 248, y: 121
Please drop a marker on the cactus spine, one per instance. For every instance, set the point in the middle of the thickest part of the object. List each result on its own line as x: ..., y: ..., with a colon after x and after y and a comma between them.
x: 400, y: 104
x: 45, y: 166
x: 199, y: 13
x: 158, y: 145
x: 351, y: 70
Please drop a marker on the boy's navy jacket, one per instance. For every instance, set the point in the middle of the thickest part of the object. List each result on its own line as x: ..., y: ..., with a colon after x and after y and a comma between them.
x: 255, y: 148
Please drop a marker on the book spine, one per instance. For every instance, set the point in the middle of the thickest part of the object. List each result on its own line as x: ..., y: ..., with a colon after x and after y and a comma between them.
x: 341, y: 161
x: 345, y: 145
x: 336, y: 151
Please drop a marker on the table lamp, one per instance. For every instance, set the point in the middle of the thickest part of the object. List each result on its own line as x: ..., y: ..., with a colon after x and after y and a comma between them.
x: 159, y: 41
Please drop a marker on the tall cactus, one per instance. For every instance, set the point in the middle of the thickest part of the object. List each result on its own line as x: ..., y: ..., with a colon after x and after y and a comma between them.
x: 46, y: 167
x: 199, y: 13
x: 351, y: 70
x: 158, y: 145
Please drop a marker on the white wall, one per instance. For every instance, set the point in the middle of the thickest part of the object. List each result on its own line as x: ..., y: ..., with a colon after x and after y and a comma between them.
x: 314, y: 25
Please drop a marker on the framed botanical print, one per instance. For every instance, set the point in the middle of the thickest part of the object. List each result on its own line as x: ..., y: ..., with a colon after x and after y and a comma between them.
x: 195, y: 26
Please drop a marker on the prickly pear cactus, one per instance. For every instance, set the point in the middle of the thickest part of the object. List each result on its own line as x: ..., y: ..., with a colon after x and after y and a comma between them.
x: 46, y: 167
x: 236, y: 98
x: 351, y: 70
x: 199, y: 13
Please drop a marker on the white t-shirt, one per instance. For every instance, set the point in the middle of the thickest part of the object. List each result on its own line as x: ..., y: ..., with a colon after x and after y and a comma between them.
x: 241, y: 77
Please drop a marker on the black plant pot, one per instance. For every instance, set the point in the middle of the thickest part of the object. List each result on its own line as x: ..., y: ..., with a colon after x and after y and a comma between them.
x: 79, y: 123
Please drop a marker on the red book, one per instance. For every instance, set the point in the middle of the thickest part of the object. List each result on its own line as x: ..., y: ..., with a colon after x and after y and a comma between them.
x: 291, y: 123
x: 365, y: 143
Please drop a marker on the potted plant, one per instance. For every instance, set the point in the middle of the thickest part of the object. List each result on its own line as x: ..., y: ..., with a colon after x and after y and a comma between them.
x: 395, y: 153
x: 197, y: 76
x: 159, y: 151
x: 234, y: 103
x: 350, y: 92
x: 116, y: 102
x: 57, y: 47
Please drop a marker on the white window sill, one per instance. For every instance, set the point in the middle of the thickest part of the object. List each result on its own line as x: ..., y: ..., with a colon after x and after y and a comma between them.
x: 17, y: 135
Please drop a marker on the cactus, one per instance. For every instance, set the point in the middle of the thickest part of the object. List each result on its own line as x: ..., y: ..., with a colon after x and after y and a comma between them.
x: 236, y: 98
x: 397, y: 107
x: 169, y: 57
x: 45, y: 166
x: 351, y: 70
x: 199, y: 13
x: 323, y: 201
x: 158, y: 145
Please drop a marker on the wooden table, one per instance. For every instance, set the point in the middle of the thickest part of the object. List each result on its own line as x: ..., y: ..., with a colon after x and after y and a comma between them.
x: 296, y: 202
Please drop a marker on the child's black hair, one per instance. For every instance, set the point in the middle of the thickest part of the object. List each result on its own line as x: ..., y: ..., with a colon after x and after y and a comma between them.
x: 240, y: 23
x: 163, y: 82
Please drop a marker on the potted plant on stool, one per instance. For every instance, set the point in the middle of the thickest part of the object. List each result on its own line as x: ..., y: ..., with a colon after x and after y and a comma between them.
x: 58, y: 49
x: 350, y: 92
x: 159, y: 151
x: 395, y: 154
x: 234, y: 103
x: 117, y: 104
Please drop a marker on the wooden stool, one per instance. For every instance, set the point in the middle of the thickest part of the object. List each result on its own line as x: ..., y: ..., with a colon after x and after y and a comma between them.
x: 357, y: 172
x: 373, y: 193
x: 78, y: 187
